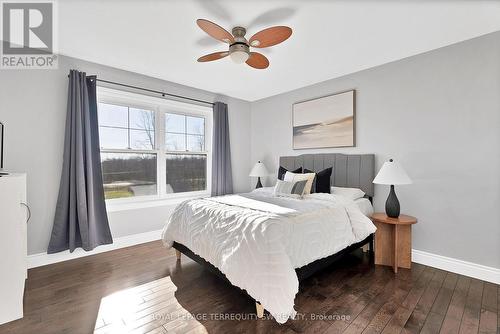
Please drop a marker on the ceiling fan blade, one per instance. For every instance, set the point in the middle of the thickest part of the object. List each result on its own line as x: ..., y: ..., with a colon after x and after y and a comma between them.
x: 215, y: 31
x: 270, y: 36
x: 257, y: 60
x: 213, y: 56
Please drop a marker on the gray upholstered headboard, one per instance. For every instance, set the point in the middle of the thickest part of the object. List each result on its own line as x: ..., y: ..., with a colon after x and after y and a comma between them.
x: 349, y: 170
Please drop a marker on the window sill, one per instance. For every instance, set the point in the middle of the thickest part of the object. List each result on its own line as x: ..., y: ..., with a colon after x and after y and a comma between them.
x: 117, y: 206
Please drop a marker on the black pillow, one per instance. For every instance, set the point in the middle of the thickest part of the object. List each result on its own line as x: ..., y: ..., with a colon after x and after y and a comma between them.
x: 321, y: 183
x: 282, y: 171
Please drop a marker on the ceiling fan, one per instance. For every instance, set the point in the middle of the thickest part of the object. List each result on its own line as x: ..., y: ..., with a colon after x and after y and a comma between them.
x: 239, y: 46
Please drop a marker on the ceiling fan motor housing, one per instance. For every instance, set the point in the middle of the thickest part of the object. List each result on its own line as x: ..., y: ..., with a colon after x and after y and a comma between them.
x: 239, y: 32
x: 239, y: 46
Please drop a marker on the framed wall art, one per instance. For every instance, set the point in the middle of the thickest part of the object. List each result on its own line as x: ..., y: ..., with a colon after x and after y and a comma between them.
x: 327, y: 121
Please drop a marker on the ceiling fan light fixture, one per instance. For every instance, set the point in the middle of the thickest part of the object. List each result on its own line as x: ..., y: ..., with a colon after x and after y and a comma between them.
x: 239, y: 57
x: 239, y: 52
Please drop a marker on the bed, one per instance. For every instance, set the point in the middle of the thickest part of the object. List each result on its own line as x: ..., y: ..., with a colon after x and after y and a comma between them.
x: 265, y: 244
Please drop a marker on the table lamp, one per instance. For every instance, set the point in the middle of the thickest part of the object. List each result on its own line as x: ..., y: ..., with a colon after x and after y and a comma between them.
x: 392, y: 173
x: 258, y: 171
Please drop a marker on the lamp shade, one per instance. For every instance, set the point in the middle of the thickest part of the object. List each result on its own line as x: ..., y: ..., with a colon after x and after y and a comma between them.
x: 392, y: 173
x: 259, y: 170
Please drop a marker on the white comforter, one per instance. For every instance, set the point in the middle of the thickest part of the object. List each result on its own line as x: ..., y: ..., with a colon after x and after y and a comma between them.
x: 257, y: 239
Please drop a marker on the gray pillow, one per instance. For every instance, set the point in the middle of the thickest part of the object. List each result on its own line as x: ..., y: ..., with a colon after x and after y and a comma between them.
x: 290, y: 189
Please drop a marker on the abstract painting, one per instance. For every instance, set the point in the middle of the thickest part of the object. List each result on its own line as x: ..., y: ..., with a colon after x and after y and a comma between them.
x: 324, y: 122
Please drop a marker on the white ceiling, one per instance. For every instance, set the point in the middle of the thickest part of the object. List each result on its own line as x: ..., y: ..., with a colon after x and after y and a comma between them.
x: 330, y: 39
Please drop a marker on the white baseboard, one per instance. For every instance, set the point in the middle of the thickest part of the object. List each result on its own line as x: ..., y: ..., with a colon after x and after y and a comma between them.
x: 465, y: 268
x: 42, y: 259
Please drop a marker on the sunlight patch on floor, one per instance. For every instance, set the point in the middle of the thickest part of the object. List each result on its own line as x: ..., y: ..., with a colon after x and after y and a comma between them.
x: 147, y: 308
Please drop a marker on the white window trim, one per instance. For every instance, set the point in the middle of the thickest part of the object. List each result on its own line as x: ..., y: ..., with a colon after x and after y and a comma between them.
x: 160, y: 106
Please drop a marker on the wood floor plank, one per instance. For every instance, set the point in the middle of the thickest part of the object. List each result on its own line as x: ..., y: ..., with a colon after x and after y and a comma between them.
x: 317, y: 300
x: 498, y: 310
x: 472, y: 311
x: 443, y: 298
x: 424, y: 305
x: 489, y: 316
x: 143, y: 289
x: 355, y: 306
x: 404, y: 311
x: 453, y: 317
x: 381, y: 319
x: 364, y: 318
x: 345, y: 294
x: 323, y: 291
x: 438, y: 311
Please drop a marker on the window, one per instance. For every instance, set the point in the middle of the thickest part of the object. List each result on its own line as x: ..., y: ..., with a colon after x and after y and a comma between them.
x: 183, y: 135
x: 151, y: 147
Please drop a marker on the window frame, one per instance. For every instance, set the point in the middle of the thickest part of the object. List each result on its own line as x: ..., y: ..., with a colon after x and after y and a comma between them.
x: 160, y: 106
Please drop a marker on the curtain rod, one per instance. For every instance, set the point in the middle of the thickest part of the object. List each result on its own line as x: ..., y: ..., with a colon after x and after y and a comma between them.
x: 152, y: 91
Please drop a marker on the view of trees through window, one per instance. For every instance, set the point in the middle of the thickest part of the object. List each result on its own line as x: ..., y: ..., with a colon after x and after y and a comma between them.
x: 186, y: 172
x: 128, y: 174
x: 129, y: 153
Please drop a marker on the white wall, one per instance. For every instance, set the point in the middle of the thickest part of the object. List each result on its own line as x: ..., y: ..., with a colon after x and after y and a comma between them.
x: 33, y: 108
x: 438, y: 114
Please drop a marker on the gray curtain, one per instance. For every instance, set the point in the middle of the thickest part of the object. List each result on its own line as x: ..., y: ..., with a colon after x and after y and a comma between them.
x: 222, y: 179
x: 81, y: 219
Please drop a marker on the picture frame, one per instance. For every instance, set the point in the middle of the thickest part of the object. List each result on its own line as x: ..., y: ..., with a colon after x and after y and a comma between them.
x: 325, y: 122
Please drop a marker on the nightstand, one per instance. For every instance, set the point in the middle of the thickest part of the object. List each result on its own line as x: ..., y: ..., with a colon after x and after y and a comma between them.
x: 393, y: 240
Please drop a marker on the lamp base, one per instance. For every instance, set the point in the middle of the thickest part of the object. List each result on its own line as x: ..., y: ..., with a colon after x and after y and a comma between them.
x: 259, y: 184
x: 392, y: 208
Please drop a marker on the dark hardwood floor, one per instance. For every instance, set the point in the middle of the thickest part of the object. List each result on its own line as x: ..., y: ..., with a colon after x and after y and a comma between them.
x: 143, y: 289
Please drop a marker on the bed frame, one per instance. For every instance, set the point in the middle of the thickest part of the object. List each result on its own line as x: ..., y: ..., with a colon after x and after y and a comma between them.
x: 355, y: 171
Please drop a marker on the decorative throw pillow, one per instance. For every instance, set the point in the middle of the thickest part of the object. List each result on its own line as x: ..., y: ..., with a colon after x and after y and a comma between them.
x: 294, y: 177
x: 282, y: 171
x: 322, y: 181
x: 290, y: 189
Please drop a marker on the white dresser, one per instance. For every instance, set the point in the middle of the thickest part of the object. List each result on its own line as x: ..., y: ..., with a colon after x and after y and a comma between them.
x: 13, y: 246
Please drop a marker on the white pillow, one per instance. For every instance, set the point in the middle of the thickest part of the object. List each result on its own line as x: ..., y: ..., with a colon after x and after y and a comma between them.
x: 294, y: 177
x: 350, y: 193
x: 290, y: 189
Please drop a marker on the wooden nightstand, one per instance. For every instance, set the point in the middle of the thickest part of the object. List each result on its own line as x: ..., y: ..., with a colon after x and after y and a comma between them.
x: 393, y: 240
